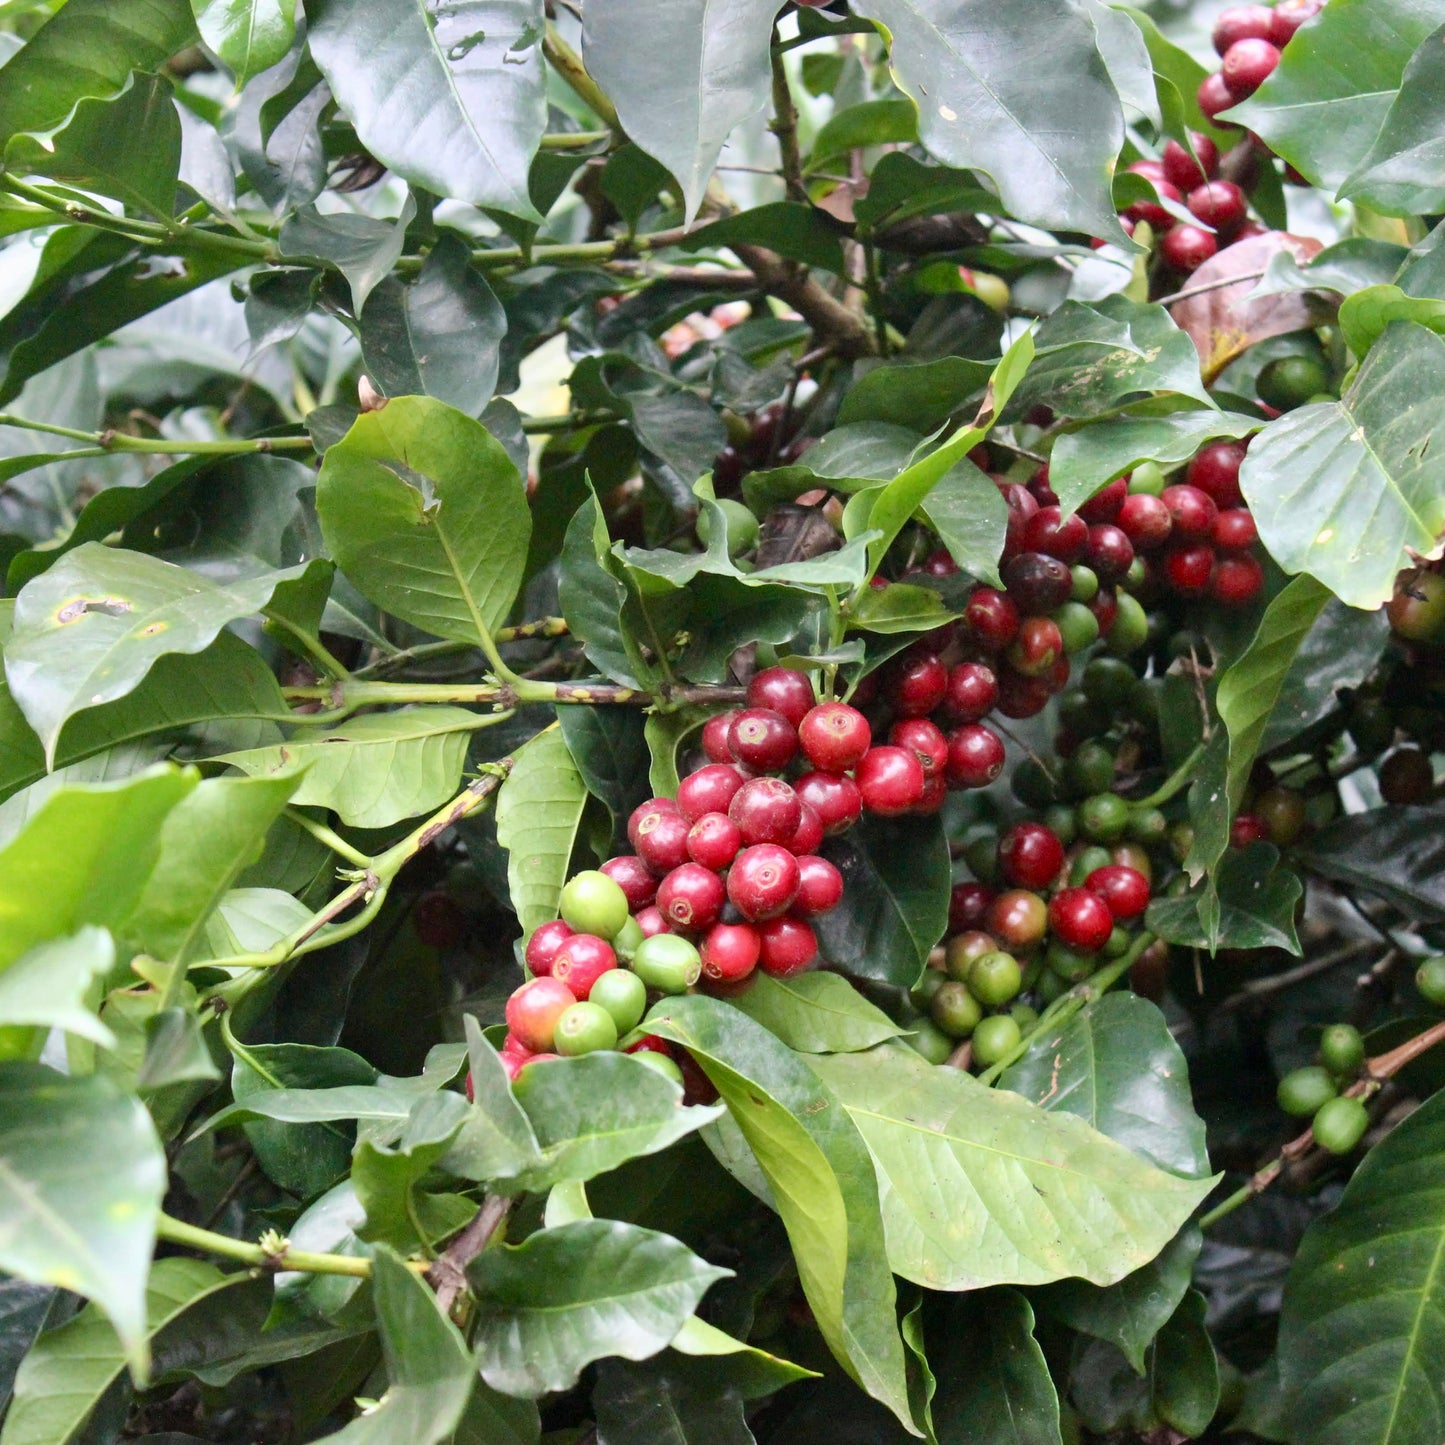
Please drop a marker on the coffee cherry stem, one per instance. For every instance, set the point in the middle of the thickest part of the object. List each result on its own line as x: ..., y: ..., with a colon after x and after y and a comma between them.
x: 1175, y: 783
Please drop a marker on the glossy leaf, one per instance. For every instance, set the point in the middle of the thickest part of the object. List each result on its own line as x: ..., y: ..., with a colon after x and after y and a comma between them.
x: 896, y: 883
x: 821, y: 1180
x: 539, y: 810
x: 972, y: 70
x: 717, y: 76
x: 450, y: 97
x: 362, y: 248
x: 248, y: 35
x: 577, y: 1293
x: 1360, y: 1324
x: 1365, y: 315
x: 89, y: 630
x: 496, y: 1139
x: 1347, y: 514
x: 374, y: 770
x: 609, y: 747
x: 387, y: 1178
x: 815, y: 1013
x: 1249, y: 904
x: 426, y: 514
x: 25, y: 1309
x: 970, y: 516
x: 1397, y: 854
x: 1184, y: 1372
x: 83, y: 1179
x: 1115, y: 1065
x: 593, y: 597
x: 1020, y: 1181
x: 47, y: 987
x: 652, y: 1405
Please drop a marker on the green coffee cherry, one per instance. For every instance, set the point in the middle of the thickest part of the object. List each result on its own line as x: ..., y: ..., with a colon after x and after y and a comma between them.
x: 1085, y: 583
x: 1086, y: 862
x: 1131, y: 627
x: 660, y: 1063
x: 1342, y: 1050
x: 1059, y: 818
x: 1303, y: 1092
x: 995, y: 978
x: 1430, y: 980
x: 1147, y: 477
x: 593, y: 903
x: 667, y: 963
x: 922, y: 992
x: 1108, y: 681
x: 1291, y: 381
x: 585, y: 1028
x: 994, y: 1039
x: 1077, y: 626
x: 743, y: 528
x: 1103, y: 818
x: 930, y: 1041
x: 628, y: 940
x: 1069, y: 965
x: 955, y: 1010
x: 1050, y: 986
x: 1091, y: 769
x: 1340, y: 1125
x: 1024, y: 1015
x: 623, y: 995
x: 1147, y: 826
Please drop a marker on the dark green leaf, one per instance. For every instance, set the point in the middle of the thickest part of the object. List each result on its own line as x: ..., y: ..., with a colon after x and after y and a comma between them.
x: 1346, y: 267
x: 896, y: 884
x: 917, y: 395
x: 24, y: 1312
x: 362, y: 248
x: 799, y: 232
x: 901, y: 186
x: 1397, y: 854
x: 869, y: 123
x: 816, y: 1013
x: 653, y: 1405
x: 452, y: 98
x: 385, y: 1178
x: 1115, y: 1064
x: 1250, y: 904
x: 609, y: 746
x: 1183, y: 1370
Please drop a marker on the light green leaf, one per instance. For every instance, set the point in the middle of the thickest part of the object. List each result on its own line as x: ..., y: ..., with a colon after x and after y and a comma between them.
x: 816, y: 1013
x: 385, y: 1176
x: 48, y: 987
x: 1365, y: 315
x: 249, y: 35
x: 496, y: 1139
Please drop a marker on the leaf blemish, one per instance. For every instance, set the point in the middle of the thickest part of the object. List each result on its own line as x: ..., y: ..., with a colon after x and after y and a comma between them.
x: 74, y: 610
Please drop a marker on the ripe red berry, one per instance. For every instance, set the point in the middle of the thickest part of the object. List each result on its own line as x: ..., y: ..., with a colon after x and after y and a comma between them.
x: 1236, y: 581
x: 1037, y: 584
x: 1220, y: 204
x: 915, y: 686
x: 975, y: 756
x: 1145, y: 521
x: 1020, y: 696
x: 533, y: 1010
x: 1104, y: 505
x: 1152, y: 211
x: 1187, y: 248
x: 1125, y: 890
x: 1241, y: 22
x: 1247, y: 65
x: 834, y: 797
x: 1110, y: 553
x: 1234, y: 530
x: 925, y: 740
x: 1038, y: 646
x: 1214, y: 96
x: 1215, y: 471
x: 581, y: 961
x: 1247, y: 829
x: 991, y: 618
x: 835, y: 737
x: 651, y: 921
x: 1288, y: 16
x: 1017, y: 919
x: 763, y: 881
x: 1183, y: 169
x: 1188, y: 569
x: 1030, y: 855
x: 1191, y: 511
x: 789, y: 945
x: 713, y: 841
x: 890, y: 781
x: 972, y: 691
x: 661, y: 840
x: 1021, y: 505
x: 766, y: 810
x: 1080, y: 919
x: 820, y: 886
x: 1105, y: 607
x: 633, y: 877
x: 763, y: 739
x: 542, y: 946
x: 809, y: 837
x: 782, y: 690
x: 1151, y: 170
x: 709, y: 790
x: 730, y: 952
x: 643, y: 811
x: 715, y: 732
x: 691, y: 897
x: 968, y: 906
x: 1050, y: 532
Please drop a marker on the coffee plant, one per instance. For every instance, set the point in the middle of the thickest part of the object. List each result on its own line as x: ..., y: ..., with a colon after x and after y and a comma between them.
x: 720, y: 722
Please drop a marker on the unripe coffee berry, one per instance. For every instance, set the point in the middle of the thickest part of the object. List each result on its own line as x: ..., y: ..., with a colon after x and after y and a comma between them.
x: 533, y: 1010
x: 667, y: 963
x: 1342, y: 1050
x: 955, y: 1010
x: 592, y: 902
x: 1340, y: 1125
x: 995, y: 1039
x: 1303, y: 1092
x: 623, y: 995
x: 585, y: 1028
x: 994, y: 978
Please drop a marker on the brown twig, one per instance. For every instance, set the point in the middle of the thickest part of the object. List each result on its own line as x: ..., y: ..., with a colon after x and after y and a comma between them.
x: 448, y: 1272
x: 833, y: 323
x: 784, y: 125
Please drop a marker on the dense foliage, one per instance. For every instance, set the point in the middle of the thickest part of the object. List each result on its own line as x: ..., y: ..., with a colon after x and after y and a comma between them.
x: 718, y: 718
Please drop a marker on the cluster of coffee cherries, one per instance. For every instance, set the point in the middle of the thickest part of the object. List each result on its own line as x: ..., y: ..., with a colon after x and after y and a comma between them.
x: 1339, y: 1121
x: 1248, y: 40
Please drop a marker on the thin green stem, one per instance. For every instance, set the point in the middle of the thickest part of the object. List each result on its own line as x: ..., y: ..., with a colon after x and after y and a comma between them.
x: 574, y: 140
x: 542, y: 627
x: 565, y: 421
x: 1175, y: 783
x: 313, y: 647
x: 273, y: 1254
x: 568, y: 64
x: 329, y: 837
x: 105, y: 442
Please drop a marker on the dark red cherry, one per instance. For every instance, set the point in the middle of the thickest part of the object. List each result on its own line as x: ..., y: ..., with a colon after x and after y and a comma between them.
x: 1187, y: 248
x: 1236, y: 580
x: 890, y: 780
x: 766, y: 810
x: 789, y: 946
x: 834, y: 797
x: 1191, y: 511
x: 633, y: 877
x: 1189, y: 568
x: 763, y: 881
x: 1104, y: 505
x: 1037, y: 584
x: 972, y: 691
x: 1234, y: 530
x: 715, y: 737
x: 991, y: 618
x: 1050, y: 532
x: 730, y: 952
x: 1247, y: 64
x: 782, y: 690
x: 834, y: 737
x: 763, y: 739
x: 1080, y: 919
x: 925, y: 740
x: 709, y: 790
x: 1030, y: 855
x: 1110, y: 553
x: 1241, y: 22
x: 691, y: 897
x: 1125, y: 890
x: 1214, y: 96
x: 1183, y: 170
x: 1215, y: 471
x: 1145, y: 521
x: 968, y: 906
x: 915, y: 686
x: 820, y: 886
x: 975, y: 756
x: 1220, y: 204
x: 714, y: 840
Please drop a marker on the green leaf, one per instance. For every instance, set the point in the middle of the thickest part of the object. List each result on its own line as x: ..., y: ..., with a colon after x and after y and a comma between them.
x: 971, y: 68
x: 1033, y: 1196
x: 81, y: 1179
x: 248, y: 35
x: 428, y: 1369
x: 593, y: 597
x: 799, y: 232
x: 1082, y: 461
x: 970, y: 516
x: 717, y: 75
x: 609, y: 746
x: 1350, y: 514
x: 450, y: 97
x: 374, y: 770
x: 1115, y: 1065
x: 896, y: 884
x: 1131, y: 1313
x: 539, y: 810
x: 69, y: 1369
x: 1334, y: 86
x: 1365, y: 315
x: 593, y: 1113
x: 1397, y: 854
x: 385, y: 1176
x: 1130, y: 66
x: 438, y: 336
x: 496, y: 1139
x: 1176, y: 81
x: 821, y: 1181
x: 206, y: 841
x: 1090, y: 358
x: 577, y: 1293
x: 1183, y: 1372
x: 993, y: 1383
x: 899, y: 607
x: 1359, y: 1328
x: 362, y: 248
x: 88, y: 49
x: 48, y: 987
x: 425, y: 512
x: 90, y: 629
x: 1250, y: 904
x: 917, y: 395
x: 869, y: 123
x: 815, y: 1013
x: 653, y: 1405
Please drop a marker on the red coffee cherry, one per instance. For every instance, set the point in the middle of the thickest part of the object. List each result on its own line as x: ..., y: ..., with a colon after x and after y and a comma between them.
x: 1242, y: 22
x: 766, y: 810
x: 1236, y: 581
x: 643, y: 811
x: 544, y: 943
x: 713, y: 841
x: 1215, y: 471
x: 925, y: 740
x: 1247, y: 64
x: 1183, y: 170
x: 1234, y: 530
x: 1188, y: 569
x: 1037, y: 584
x: 915, y: 686
x: 1125, y: 890
x: 1049, y: 531
x: 972, y: 691
x: 1220, y: 204
x: 820, y: 886
x: 533, y: 1010
x: 691, y: 897
x: 661, y: 840
x: 715, y: 732
x: 763, y: 739
x: 1152, y: 211
x: 1018, y: 919
x: 1037, y: 648
x: 1080, y: 919
x: 633, y: 877
x: 763, y: 881
x: 968, y: 906
x: 1247, y: 829
x: 1104, y: 505
x: 975, y: 756
x: 1214, y: 96
x: 835, y: 737
x: 1145, y: 521
x: 1020, y: 696
x: 1191, y: 511
x: 1288, y: 16
x: 782, y: 690
x: 1021, y: 505
x: 1110, y: 553
x: 1187, y: 248
x: 1030, y: 855
x: 789, y: 946
x: 730, y: 952
x: 991, y: 618
x: 834, y: 797
x: 890, y: 781
x: 709, y: 790
x: 809, y: 837
x: 651, y: 921
x: 581, y: 961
